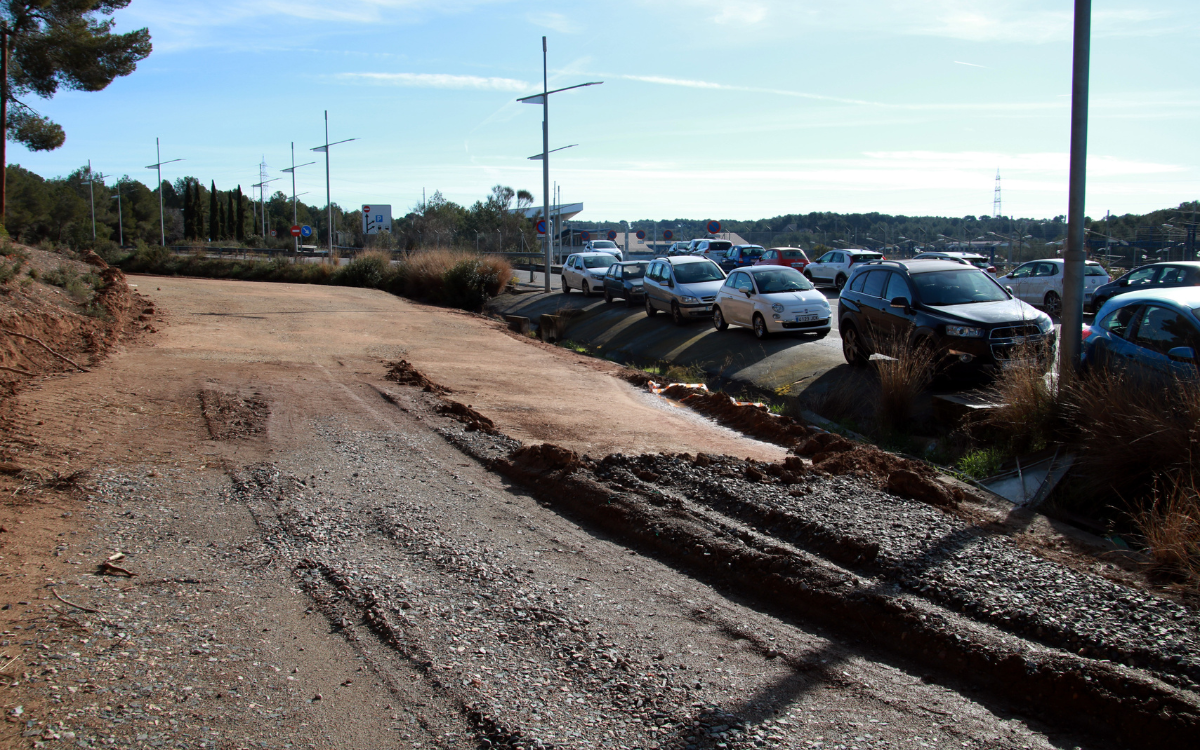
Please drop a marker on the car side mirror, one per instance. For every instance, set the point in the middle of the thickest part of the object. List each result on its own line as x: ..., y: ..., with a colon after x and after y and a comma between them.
x: 1010, y: 290
x: 748, y: 293
x: 1182, y: 354
x: 901, y: 302
x: 671, y: 283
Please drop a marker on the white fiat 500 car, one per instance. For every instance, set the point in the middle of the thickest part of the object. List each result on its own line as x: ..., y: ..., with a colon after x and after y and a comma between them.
x: 771, y: 299
x: 585, y: 272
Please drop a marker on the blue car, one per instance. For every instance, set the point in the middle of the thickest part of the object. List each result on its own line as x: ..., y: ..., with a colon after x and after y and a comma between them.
x: 1152, y: 334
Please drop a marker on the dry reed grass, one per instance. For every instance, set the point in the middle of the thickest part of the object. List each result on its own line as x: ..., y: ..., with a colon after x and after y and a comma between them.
x: 1171, y: 529
x: 905, y: 369
x: 1030, y: 411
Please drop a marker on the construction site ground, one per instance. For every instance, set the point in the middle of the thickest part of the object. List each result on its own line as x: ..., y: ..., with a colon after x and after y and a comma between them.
x: 237, y: 531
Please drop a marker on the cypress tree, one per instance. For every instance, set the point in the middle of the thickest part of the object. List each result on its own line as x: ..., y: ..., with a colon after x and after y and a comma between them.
x: 198, y: 205
x: 230, y: 219
x: 187, y: 210
x: 214, y: 214
x: 240, y: 223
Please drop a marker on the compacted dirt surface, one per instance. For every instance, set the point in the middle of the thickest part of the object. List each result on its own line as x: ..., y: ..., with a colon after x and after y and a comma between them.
x: 319, y: 517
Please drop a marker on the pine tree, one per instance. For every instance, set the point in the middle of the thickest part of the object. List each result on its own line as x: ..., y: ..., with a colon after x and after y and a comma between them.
x: 187, y: 210
x: 214, y: 214
x: 198, y: 205
x: 240, y: 223
x: 230, y: 220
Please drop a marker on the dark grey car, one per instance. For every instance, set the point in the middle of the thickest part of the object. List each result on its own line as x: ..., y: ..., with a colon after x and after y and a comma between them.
x: 624, y: 280
x: 1153, y: 276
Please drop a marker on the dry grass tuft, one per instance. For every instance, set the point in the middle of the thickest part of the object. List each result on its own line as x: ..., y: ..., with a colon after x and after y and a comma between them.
x: 425, y: 271
x: 905, y: 370
x: 498, y: 272
x: 1030, y: 410
x: 1171, y: 529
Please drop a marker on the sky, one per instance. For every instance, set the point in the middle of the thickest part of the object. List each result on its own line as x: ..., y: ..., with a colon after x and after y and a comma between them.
x: 724, y: 109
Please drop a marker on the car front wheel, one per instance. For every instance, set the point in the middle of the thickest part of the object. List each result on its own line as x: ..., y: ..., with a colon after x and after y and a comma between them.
x: 650, y: 310
x: 677, y: 315
x: 566, y: 286
x: 608, y: 296
x: 760, y: 327
x: 719, y: 319
x: 587, y: 291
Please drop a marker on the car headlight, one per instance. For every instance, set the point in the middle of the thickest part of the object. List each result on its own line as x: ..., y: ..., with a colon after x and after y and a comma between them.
x: 777, y: 307
x: 1044, y: 324
x: 688, y: 300
x: 966, y: 332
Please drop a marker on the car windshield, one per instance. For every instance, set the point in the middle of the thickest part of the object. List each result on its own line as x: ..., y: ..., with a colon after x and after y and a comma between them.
x: 964, y: 287
x: 604, y: 245
x: 694, y: 273
x: 634, y: 270
x: 783, y: 280
x: 598, y: 261
x: 1096, y: 270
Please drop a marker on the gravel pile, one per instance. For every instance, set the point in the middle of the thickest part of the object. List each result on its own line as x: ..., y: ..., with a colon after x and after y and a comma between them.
x: 940, y: 557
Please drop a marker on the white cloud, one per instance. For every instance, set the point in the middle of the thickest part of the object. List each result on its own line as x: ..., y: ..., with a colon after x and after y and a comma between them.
x: 554, y: 21
x: 438, y: 81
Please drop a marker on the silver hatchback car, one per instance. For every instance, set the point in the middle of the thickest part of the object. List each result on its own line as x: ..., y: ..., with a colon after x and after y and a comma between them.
x: 684, y: 286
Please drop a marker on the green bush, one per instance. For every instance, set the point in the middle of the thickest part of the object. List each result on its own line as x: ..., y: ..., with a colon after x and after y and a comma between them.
x: 8, y: 271
x: 465, y: 285
x: 369, y: 269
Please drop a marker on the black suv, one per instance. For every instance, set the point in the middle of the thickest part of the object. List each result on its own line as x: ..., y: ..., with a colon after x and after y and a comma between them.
x: 957, y: 310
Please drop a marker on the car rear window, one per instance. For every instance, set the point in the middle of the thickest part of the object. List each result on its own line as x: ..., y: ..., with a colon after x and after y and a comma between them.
x: 1094, y: 270
x: 719, y: 245
x: 863, y: 257
x: 634, y: 270
x: 599, y: 261
x: 794, y: 254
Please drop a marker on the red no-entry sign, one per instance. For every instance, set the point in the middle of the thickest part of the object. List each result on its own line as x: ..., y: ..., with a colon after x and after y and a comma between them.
x: 295, y: 230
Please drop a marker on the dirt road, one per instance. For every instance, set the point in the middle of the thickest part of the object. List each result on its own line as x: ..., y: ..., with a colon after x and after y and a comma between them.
x: 318, y: 566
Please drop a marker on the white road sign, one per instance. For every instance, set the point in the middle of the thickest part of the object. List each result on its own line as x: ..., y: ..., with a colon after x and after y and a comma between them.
x: 376, y: 219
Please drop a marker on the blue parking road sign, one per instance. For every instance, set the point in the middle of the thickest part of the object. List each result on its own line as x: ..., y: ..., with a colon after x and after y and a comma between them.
x: 306, y: 231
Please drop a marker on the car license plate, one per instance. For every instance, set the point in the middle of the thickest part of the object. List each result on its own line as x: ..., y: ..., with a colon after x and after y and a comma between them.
x: 806, y: 318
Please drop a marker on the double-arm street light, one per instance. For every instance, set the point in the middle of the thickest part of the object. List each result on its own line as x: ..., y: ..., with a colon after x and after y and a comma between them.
x: 162, y: 227
x: 295, y: 214
x: 544, y: 99
x: 328, y: 200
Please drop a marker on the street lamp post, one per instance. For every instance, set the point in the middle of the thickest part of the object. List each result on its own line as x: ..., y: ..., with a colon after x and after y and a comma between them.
x: 328, y: 199
x: 1075, y: 255
x: 162, y: 226
x: 120, y: 218
x: 92, y: 200
x: 544, y: 99
x: 295, y: 213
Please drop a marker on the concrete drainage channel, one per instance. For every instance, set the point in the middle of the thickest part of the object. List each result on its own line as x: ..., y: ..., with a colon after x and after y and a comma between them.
x: 839, y: 582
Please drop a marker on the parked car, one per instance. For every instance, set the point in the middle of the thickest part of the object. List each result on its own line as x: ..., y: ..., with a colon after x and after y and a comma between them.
x: 585, y: 271
x: 834, y: 267
x: 740, y: 255
x: 685, y: 286
x: 1040, y: 282
x: 784, y: 256
x: 714, y: 250
x: 958, y: 311
x: 771, y: 299
x: 1152, y: 333
x: 624, y: 280
x: 678, y: 248
x: 602, y: 246
x: 974, y: 259
x: 1153, y: 276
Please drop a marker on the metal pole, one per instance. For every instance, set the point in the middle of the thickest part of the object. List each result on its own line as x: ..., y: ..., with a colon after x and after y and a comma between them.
x: 92, y: 200
x: 546, y: 162
x: 328, y: 199
x: 162, y: 224
x: 295, y: 214
x: 120, y: 218
x: 1070, y: 336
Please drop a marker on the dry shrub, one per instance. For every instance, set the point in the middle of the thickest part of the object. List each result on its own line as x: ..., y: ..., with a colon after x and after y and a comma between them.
x: 905, y: 369
x: 1132, y: 432
x: 1029, y: 410
x: 370, y: 269
x: 1171, y: 528
x: 425, y: 271
x: 498, y: 271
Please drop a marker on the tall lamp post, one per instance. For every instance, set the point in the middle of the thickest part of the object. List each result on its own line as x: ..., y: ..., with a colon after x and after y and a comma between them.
x: 544, y: 100
x: 295, y: 214
x: 120, y: 218
x: 328, y: 200
x: 1075, y: 254
x: 162, y: 226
